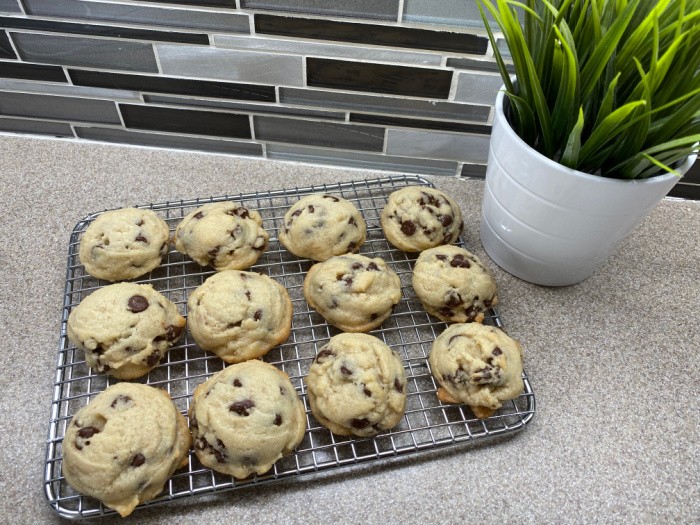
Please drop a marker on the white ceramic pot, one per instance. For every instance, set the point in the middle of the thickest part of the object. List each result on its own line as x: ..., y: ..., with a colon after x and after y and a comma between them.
x: 551, y: 225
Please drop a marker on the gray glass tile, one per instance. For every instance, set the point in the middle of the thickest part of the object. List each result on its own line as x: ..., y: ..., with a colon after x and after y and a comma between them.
x: 250, y: 108
x: 444, y: 12
x: 61, y: 108
x: 15, y: 125
x: 247, y: 66
x: 481, y: 65
x: 139, y: 14
x: 375, y: 9
x: 314, y: 133
x: 367, y: 161
x: 328, y: 50
x: 478, y: 88
x: 139, y: 138
x: 67, y: 90
x: 89, y: 52
x: 438, y: 145
x: 390, y: 105
x: 9, y: 6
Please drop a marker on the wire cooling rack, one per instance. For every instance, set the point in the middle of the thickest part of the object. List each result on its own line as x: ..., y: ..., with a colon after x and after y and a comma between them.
x: 427, y: 423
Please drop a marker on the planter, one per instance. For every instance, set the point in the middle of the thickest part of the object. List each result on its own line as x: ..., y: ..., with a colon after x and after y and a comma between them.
x: 551, y: 225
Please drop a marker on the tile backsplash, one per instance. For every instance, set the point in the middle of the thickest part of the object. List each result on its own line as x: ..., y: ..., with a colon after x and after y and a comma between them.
x: 403, y: 85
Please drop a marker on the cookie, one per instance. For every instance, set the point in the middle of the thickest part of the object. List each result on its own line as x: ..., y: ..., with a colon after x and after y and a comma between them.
x: 320, y: 226
x: 124, y: 244
x: 224, y: 235
x: 244, y: 418
x: 124, y: 329
x: 352, y: 292
x: 477, y: 365
x: 239, y: 315
x: 357, y: 386
x: 454, y: 285
x: 416, y: 218
x: 122, y: 447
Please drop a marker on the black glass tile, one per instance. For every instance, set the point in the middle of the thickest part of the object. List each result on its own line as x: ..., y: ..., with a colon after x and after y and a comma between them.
x: 373, y: 9
x: 479, y: 65
x: 417, y: 123
x: 98, y: 30
x: 179, y: 86
x: 693, y: 174
x: 43, y: 127
x: 142, y: 138
x: 72, y: 109
x: 373, y: 34
x: 473, y: 170
x: 314, y: 133
x: 32, y: 72
x: 685, y: 191
x: 6, y: 50
x: 380, y: 78
x: 186, y: 121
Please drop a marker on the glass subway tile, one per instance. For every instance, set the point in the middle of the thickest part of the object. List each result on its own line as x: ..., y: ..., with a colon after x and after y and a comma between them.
x: 34, y: 24
x: 316, y: 133
x: 370, y: 161
x: 478, y: 88
x: 179, y: 86
x: 32, y: 72
x: 225, y: 64
x: 373, y: 9
x: 382, y: 104
x: 379, y: 78
x: 140, y: 138
x: 6, y: 50
x: 473, y: 170
x: 9, y: 6
x: 467, y: 147
x: 371, y: 34
x: 72, y: 109
x: 186, y: 121
x: 42, y: 127
x: 86, y: 52
x: 464, y: 127
x: 202, y: 3
x: 138, y: 14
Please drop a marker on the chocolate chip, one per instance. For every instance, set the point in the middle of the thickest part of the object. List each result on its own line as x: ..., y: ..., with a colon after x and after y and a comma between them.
x: 497, y: 351
x: 372, y: 267
x: 141, y: 238
x: 257, y: 315
x: 138, y: 460
x: 366, y: 391
x: 445, y: 312
x: 453, y: 299
x: 153, y: 359
x: 325, y: 352
x: 278, y: 419
x: 311, y: 208
x: 352, y: 246
x: 445, y: 220
x: 247, y: 294
x: 374, y: 316
x: 398, y: 386
x: 173, y: 332
x: 120, y: 399
x: 241, y: 407
x: 356, y: 266
x: 201, y: 443
x: 348, y: 281
x: 441, y: 257
x: 137, y: 303
x: 219, y: 453
x: 198, y: 215
x: 352, y: 221
x: 237, y: 382
x: 458, y: 261
x: 360, y: 423
x: 296, y: 213
x: 334, y: 199
x: 345, y: 371
x: 408, y: 227
x: 88, y: 432
x: 472, y: 312
x: 240, y: 211
x: 214, y: 251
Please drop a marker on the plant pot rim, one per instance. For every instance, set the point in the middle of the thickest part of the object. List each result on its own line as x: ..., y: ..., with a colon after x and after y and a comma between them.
x: 662, y: 178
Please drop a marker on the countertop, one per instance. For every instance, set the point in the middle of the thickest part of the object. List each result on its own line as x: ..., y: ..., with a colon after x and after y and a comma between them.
x: 614, y: 361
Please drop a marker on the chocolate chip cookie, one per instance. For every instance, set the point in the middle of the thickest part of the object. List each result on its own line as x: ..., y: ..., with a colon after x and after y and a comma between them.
x: 124, y: 244
x: 122, y: 447
x: 239, y: 315
x: 477, y: 365
x: 125, y: 328
x: 244, y: 418
x: 320, y: 226
x: 224, y: 235
x: 416, y: 218
x: 357, y: 386
x: 454, y: 285
x: 352, y: 292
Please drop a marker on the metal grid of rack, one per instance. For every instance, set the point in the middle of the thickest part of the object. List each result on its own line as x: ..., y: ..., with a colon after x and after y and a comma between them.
x: 410, y: 331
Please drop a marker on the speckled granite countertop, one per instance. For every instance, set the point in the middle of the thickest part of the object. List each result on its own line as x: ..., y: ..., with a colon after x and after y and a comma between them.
x: 614, y: 362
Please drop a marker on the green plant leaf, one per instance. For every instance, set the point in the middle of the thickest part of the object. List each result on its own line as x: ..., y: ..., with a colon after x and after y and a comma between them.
x: 573, y: 144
